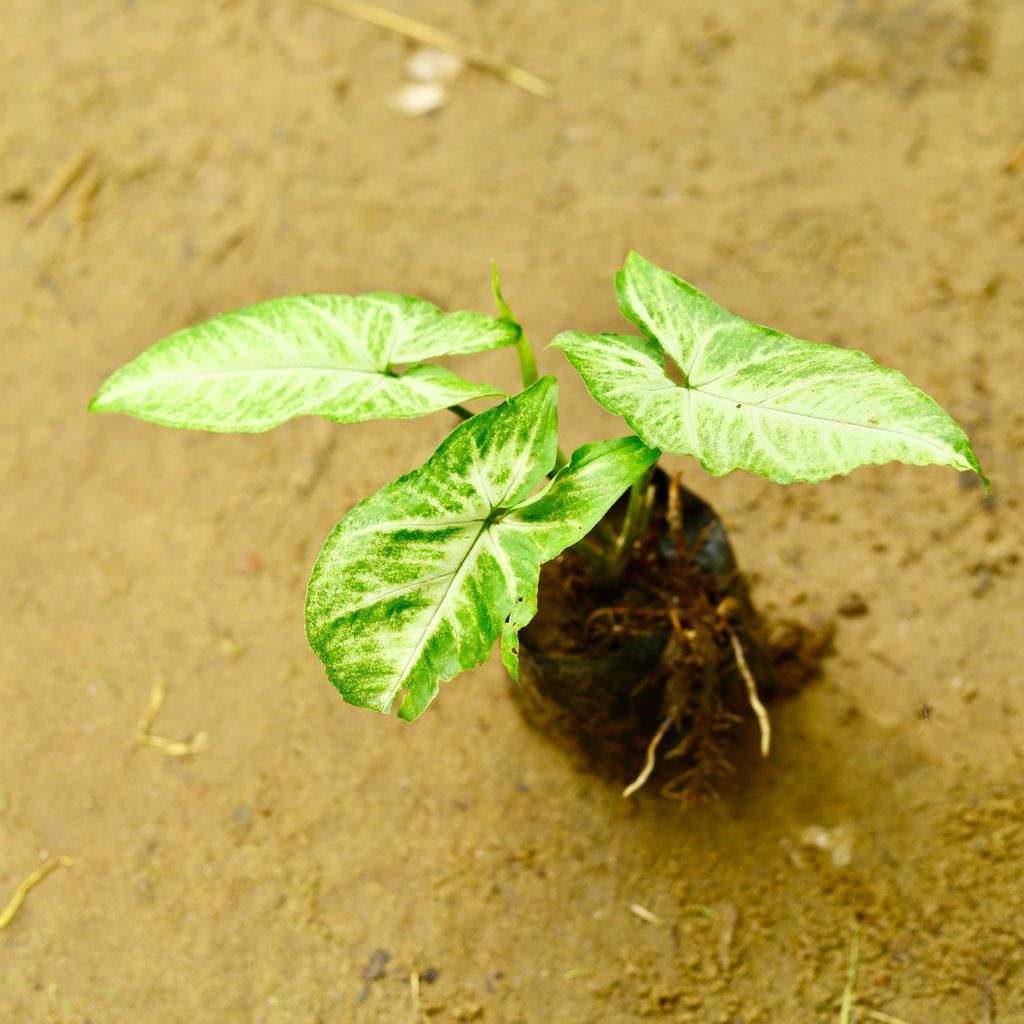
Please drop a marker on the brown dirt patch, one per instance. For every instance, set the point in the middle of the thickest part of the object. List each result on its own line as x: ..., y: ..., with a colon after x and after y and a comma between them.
x: 843, y: 171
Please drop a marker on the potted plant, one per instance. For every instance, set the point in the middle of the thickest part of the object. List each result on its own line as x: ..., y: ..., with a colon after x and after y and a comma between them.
x: 417, y: 582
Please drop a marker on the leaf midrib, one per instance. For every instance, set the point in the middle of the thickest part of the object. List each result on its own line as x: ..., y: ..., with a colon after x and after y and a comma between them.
x: 484, y: 533
x: 430, y: 626
x: 241, y: 372
x: 818, y: 419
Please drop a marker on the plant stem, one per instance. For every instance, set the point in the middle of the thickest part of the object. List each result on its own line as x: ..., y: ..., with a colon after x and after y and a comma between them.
x: 594, y: 557
x: 524, y: 350
x: 527, y: 363
x: 528, y: 370
x: 606, y: 552
x: 635, y: 521
x: 560, y: 461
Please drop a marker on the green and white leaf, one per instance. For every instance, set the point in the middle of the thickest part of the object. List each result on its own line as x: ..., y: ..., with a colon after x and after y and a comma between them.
x: 753, y: 398
x: 567, y: 510
x: 417, y: 582
x: 305, y: 355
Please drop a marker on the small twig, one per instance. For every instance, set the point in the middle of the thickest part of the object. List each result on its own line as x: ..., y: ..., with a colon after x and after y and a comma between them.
x: 15, y: 902
x: 430, y: 36
x: 988, y: 1008
x: 414, y: 992
x: 646, y: 915
x: 652, y: 749
x: 730, y: 917
x: 1016, y: 161
x: 755, y: 701
x: 83, y: 210
x: 884, y: 1018
x: 174, y: 748
x: 846, y: 1006
x: 677, y: 623
x: 63, y: 178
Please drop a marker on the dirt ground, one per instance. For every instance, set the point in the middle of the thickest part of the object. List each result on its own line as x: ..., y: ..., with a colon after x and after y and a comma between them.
x: 846, y: 170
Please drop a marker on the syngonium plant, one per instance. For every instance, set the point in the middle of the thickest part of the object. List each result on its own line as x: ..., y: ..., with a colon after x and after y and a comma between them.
x: 418, y: 581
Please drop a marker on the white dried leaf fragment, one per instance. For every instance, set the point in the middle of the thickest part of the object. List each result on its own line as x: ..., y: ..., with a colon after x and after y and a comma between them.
x: 428, y: 64
x: 415, y: 99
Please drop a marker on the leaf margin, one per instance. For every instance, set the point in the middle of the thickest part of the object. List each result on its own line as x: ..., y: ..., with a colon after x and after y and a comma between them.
x: 134, y: 387
x: 655, y: 348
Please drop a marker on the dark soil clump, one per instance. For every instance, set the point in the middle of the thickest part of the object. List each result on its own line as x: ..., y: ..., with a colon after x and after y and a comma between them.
x: 661, y: 662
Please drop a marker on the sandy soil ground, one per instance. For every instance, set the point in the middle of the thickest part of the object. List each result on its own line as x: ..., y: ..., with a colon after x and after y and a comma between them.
x: 846, y: 170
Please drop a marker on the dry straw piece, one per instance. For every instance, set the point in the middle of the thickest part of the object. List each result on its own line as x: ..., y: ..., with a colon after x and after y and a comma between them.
x: 62, y: 179
x: 430, y: 36
x: 7, y: 915
x: 173, y: 748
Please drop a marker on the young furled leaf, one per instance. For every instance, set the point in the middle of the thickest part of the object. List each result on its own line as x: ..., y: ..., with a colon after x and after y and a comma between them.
x: 305, y: 355
x: 753, y: 398
x: 417, y: 582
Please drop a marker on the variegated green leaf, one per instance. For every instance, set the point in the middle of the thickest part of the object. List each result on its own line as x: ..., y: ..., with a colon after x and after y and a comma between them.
x: 753, y: 398
x: 416, y: 583
x: 567, y: 510
x: 323, y: 355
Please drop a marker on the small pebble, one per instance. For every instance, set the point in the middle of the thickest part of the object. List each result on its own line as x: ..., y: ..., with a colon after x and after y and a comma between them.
x: 414, y: 99
x: 377, y: 966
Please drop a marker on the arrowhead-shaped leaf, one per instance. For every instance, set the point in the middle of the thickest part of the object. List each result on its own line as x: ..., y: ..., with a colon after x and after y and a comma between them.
x: 753, y: 398
x: 416, y: 583
x: 323, y: 355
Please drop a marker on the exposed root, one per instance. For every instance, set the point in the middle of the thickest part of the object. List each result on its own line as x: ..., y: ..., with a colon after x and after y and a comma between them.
x: 660, y: 664
x: 652, y: 749
x: 755, y: 701
x: 14, y: 904
x: 611, y: 613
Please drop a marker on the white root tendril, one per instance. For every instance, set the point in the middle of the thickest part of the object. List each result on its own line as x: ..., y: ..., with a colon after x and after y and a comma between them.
x: 652, y: 749
x: 755, y: 701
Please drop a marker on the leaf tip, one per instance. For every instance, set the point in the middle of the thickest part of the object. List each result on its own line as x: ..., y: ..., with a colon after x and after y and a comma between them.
x: 548, y: 388
x: 970, y: 463
x: 407, y: 711
x: 633, y: 261
x: 100, y: 401
x: 504, y: 311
